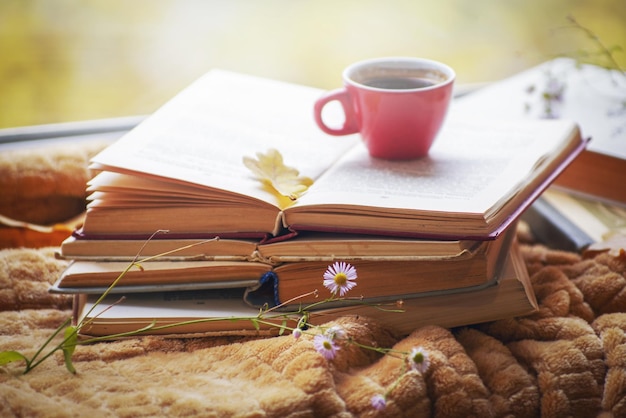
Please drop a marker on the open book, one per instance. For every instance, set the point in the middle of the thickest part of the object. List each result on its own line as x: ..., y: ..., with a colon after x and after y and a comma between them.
x: 591, y: 95
x: 293, y: 278
x: 182, y: 170
x: 511, y: 295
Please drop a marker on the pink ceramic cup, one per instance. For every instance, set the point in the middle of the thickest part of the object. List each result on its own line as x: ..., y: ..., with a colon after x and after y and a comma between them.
x: 397, y: 104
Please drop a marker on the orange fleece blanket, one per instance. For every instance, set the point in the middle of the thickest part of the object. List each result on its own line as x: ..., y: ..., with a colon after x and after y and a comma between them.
x: 567, y: 359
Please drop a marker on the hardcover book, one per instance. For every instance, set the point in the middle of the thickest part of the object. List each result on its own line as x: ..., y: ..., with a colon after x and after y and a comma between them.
x: 570, y: 222
x: 286, y: 278
x: 561, y: 88
x: 182, y: 170
x: 301, y: 247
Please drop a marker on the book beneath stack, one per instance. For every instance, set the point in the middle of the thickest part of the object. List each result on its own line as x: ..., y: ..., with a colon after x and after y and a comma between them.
x: 276, y: 274
x: 211, y: 312
x: 425, y: 230
x: 571, y: 222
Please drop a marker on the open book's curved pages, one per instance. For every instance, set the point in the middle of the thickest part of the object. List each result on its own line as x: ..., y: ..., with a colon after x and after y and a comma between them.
x: 182, y: 170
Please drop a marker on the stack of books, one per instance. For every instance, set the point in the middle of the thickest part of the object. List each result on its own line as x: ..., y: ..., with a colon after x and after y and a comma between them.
x: 432, y: 240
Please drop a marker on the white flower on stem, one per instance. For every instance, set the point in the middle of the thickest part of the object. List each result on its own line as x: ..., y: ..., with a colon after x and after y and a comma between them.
x: 340, y: 277
x: 418, y: 359
x: 336, y: 333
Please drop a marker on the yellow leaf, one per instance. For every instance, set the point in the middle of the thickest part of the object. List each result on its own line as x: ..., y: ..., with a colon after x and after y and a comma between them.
x: 271, y: 169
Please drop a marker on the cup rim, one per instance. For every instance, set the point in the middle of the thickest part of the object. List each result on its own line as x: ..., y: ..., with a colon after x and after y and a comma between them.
x: 428, y: 63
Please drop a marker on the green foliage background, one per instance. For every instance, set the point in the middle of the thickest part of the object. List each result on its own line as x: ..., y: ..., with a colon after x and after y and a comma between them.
x: 64, y: 60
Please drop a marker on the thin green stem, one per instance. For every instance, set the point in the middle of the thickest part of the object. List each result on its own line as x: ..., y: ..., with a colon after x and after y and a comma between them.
x: 267, y: 318
x: 31, y: 364
x: 604, y: 50
x: 381, y: 350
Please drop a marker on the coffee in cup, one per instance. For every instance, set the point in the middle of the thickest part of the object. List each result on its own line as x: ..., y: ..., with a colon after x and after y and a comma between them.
x: 397, y: 104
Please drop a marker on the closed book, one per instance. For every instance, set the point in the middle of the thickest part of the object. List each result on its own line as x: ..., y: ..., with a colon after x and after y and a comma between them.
x: 300, y: 247
x: 274, y: 282
x: 221, y: 312
x: 570, y: 222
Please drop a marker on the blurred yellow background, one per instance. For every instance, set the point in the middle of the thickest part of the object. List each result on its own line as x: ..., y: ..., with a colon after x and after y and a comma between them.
x: 67, y: 60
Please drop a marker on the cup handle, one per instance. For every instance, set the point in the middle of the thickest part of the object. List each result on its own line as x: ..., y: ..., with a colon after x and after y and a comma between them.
x: 342, y: 96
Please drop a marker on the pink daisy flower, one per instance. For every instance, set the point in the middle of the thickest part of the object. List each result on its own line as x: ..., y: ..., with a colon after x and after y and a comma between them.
x: 325, y: 346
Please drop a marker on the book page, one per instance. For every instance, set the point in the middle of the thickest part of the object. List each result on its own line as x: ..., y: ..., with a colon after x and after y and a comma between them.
x: 220, y: 303
x: 473, y: 165
x: 590, y: 95
x: 202, y: 134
